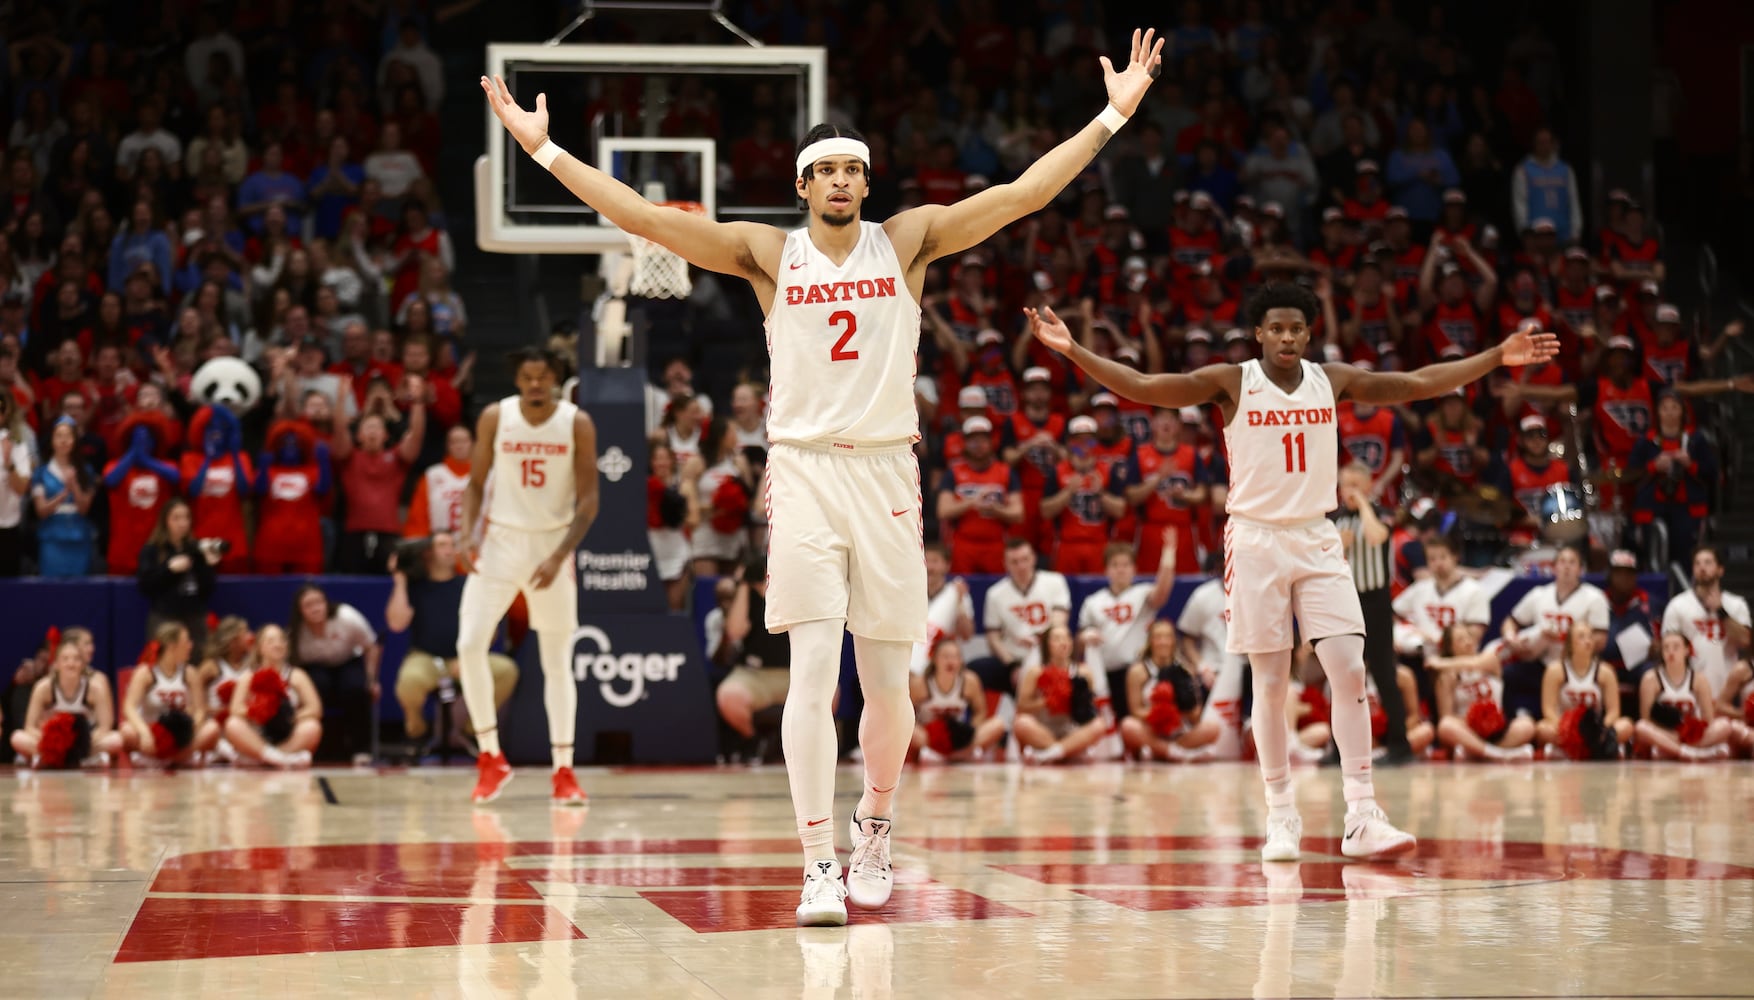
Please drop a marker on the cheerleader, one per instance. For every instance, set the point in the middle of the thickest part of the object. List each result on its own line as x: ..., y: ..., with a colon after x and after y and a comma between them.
x: 1580, y: 680
x: 950, y: 709
x: 1675, y: 708
x: 1166, y: 716
x: 1736, y: 703
x: 161, y: 712
x: 1056, y: 710
x: 276, y: 717
x: 1470, y: 699
x: 82, y: 695
x: 228, y: 652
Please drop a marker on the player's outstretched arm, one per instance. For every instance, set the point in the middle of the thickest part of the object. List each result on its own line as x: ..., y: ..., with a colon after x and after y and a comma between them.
x: 743, y: 249
x: 1522, y: 348
x: 480, y: 464
x: 1171, y: 390
x: 948, y: 229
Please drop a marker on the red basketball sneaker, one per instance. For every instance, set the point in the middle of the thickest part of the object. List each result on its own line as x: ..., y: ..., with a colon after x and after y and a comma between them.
x: 492, y: 774
x: 566, y: 789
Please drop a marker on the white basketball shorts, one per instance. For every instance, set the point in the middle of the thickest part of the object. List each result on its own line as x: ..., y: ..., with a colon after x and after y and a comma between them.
x: 844, y: 542
x: 509, y: 558
x: 1273, y: 573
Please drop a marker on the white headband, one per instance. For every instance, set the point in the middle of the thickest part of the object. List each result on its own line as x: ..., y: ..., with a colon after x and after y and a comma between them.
x: 839, y: 145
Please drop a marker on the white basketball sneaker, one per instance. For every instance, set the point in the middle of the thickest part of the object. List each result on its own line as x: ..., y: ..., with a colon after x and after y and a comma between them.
x: 823, y: 903
x: 869, y: 876
x: 1369, y: 834
x: 1284, y: 838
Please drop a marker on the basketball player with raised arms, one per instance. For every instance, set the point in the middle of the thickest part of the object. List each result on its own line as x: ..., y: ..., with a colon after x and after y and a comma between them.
x: 843, y: 320
x: 544, y: 449
x: 1282, y: 556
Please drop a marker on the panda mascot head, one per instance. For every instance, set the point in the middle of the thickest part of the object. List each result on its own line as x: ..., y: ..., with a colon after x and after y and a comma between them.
x: 228, y: 382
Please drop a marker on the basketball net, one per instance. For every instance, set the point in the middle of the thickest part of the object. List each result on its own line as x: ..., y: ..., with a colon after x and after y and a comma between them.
x: 659, y: 273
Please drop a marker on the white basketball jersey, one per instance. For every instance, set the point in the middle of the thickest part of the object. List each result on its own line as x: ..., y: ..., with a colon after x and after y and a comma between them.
x: 444, y: 497
x: 1283, y: 448
x: 534, y: 489
x: 1477, y: 685
x: 941, y: 614
x: 1711, y: 640
x: 75, y: 705
x: 167, y: 694
x: 227, y: 672
x: 1122, y: 622
x: 1580, y: 690
x: 1431, y: 610
x: 842, y: 342
x: 1678, y: 695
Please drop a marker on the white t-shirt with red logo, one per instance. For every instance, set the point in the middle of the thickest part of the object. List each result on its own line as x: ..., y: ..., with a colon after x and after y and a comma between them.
x: 1711, y: 642
x: 1021, y: 616
x: 1122, y: 620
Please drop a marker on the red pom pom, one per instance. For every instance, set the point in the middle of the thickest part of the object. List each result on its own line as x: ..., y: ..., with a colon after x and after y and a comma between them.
x: 1379, y: 720
x: 938, y: 736
x: 223, y: 712
x: 57, y: 739
x: 1055, y: 685
x: 267, y: 691
x: 1165, y: 718
x: 1748, y: 710
x: 1318, y: 706
x: 164, y: 745
x: 1486, y: 719
x: 1571, y: 739
x: 1692, y: 730
x: 52, y: 639
x: 148, y: 655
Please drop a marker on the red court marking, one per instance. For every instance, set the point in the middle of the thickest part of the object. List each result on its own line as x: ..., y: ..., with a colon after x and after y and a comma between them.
x: 170, y: 929
x: 1163, y: 900
x: 707, y: 911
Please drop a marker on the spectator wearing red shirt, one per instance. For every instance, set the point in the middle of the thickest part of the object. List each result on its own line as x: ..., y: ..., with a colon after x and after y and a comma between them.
x: 1337, y: 254
x: 1367, y: 207
x: 292, y: 478
x: 418, y: 237
x: 371, y: 477
x: 217, y: 475
x: 1526, y: 475
x: 970, y: 402
x: 1522, y: 304
x: 941, y: 182
x: 1450, y: 447
x: 1679, y: 470
x: 1030, y: 443
x: 1374, y: 437
x: 444, y: 405
x: 1193, y: 238
x: 139, y: 484
x: 1077, y: 499
x: 1630, y: 255
x: 1574, y: 295
x: 1453, y: 318
x: 1369, y: 320
x: 1408, y: 256
x: 980, y: 496
x: 762, y: 165
x: 1165, y: 479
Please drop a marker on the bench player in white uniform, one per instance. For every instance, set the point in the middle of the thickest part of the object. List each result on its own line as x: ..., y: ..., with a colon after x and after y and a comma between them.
x: 1466, y: 675
x: 544, y: 500
x: 949, y: 609
x: 1434, y: 603
x: 1282, y: 555
x: 842, y: 303
x: 1684, y: 692
x: 1204, y: 640
x: 1713, y: 619
x: 1580, y: 678
x: 75, y: 688
x: 1536, y: 628
x: 1113, y: 622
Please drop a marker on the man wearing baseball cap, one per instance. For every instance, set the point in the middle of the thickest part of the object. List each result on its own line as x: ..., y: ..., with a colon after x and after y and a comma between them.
x: 1113, y: 443
x: 1629, y: 254
x: 978, y: 502
x: 1628, y: 616
x: 1164, y: 481
x: 1337, y: 252
x: 1679, y: 469
x: 1195, y: 238
x: 1453, y: 317
x: 1526, y: 474
x: 1074, y: 499
x: 1030, y: 443
x: 1574, y: 295
x: 971, y: 401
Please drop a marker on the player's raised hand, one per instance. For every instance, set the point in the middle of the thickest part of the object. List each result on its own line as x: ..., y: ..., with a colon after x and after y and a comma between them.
x: 1530, y: 347
x: 528, y: 127
x: 1127, y: 87
x: 1049, y: 329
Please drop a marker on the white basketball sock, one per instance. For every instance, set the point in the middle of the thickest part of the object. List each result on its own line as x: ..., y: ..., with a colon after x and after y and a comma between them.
x: 807, y: 731
x: 887, y: 725
x: 1342, y: 659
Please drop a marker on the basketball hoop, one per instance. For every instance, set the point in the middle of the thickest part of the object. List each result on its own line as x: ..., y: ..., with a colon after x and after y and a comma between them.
x: 659, y: 273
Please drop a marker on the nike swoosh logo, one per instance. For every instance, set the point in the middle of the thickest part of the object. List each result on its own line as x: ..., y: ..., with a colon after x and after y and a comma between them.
x: 817, y: 822
x: 1355, y: 831
x: 898, y: 513
x: 1253, y: 391
x: 796, y: 266
x: 1328, y: 547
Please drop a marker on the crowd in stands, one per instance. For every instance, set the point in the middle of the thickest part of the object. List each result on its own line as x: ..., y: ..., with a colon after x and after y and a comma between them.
x: 204, y: 182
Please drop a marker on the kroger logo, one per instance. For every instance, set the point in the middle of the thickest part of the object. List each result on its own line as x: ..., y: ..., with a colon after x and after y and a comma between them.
x: 614, y: 464
x: 594, y: 657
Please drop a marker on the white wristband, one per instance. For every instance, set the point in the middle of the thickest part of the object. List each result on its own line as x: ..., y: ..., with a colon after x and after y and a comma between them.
x: 1112, y: 119
x: 546, y: 154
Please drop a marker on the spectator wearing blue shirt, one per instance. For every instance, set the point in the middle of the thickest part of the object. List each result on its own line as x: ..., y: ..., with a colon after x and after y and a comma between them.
x: 271, y: 185
x: 140, y: 242
x: 334, y: 187
x: 1419, y: 173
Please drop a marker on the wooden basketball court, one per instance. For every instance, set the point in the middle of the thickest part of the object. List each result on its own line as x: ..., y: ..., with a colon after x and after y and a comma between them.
x: 1538, y: 880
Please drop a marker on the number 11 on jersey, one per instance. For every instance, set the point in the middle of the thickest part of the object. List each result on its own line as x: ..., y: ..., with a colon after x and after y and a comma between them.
x: 1300, y: 465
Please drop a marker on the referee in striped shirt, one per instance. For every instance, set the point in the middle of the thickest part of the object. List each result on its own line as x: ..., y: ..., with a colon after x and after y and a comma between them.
x: 1366, y: 540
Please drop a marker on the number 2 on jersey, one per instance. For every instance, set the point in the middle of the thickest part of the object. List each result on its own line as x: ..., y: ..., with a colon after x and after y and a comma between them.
x: 839, y: 351
x: 1300, y: 465
x: 534, y: 475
